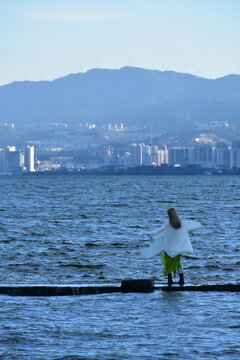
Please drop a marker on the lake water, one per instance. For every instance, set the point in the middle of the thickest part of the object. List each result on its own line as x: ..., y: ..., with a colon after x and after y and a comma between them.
x: 70, y: 229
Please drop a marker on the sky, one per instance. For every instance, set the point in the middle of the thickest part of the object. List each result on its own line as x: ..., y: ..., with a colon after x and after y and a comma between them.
x: 48, y: 39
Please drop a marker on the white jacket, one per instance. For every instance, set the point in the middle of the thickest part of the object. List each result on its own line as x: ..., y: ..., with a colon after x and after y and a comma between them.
x: 173, y: 241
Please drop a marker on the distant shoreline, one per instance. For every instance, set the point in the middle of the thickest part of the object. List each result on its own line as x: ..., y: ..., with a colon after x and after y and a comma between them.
x: 138, y: 171
x: 159, y: 171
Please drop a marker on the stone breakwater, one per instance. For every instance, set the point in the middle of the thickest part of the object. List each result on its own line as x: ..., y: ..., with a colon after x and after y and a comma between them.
x: 128, y: 285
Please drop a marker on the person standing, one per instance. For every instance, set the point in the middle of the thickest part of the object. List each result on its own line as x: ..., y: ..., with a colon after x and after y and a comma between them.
x: 172, y: 241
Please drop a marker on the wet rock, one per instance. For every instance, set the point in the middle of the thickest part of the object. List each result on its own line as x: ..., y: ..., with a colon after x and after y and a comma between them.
x: 140, y: 285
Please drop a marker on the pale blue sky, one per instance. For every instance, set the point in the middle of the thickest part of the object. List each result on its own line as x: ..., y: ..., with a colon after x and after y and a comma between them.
x: 47, y: 39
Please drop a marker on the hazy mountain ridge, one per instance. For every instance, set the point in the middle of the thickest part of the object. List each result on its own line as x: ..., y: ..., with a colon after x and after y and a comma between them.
x: 133, y: 96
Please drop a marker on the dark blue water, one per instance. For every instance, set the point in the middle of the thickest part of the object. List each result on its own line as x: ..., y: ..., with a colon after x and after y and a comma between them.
x: 88, y: 230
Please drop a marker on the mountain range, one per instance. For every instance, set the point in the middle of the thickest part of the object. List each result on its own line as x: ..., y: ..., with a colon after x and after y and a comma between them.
x: 132, y: 96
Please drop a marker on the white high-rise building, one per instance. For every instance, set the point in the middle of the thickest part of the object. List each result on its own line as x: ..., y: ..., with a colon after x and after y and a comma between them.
x: 154, y: 151
x: 12, y: 160
x: 2, y: 160
x: 235, y: 158
x: 161, y: 157
x: 29, y: 158
x: 127, y: 159
x: 146, y: 155
x: 235, y: 155
x: 136, y: 154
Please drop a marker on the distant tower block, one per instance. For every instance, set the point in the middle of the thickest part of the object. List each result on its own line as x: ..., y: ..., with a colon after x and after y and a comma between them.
x: 29, y: 158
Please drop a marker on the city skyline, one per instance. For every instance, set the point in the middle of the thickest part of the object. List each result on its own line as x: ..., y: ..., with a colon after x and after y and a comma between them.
x: 47, y: 40
x: 219, y: 155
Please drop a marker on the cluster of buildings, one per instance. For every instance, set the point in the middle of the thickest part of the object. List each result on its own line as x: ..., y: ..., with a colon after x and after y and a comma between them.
x: 137, y: 155
x: 17, y: 161
x: 220, y: 155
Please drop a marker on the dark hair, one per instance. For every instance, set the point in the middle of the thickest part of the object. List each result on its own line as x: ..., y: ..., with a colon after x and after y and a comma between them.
x: 174, y: 218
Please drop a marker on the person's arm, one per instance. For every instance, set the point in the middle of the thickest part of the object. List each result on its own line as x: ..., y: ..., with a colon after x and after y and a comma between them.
x: 155, y: 246
x: 192, y: 225
x: 157, y: 233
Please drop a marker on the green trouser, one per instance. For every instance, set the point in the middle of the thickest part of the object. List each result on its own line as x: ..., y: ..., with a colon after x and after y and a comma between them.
x: 170, y: 264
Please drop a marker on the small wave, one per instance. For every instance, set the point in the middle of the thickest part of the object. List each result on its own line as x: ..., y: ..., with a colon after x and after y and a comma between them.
x: 110, y: 222
x: 33, y: 233
x: 234, y: 326
x: 227, y: 268
x: 166, y: 201
x: 193, y: 267
x: 87, y: 231
x: 170, y: 354
x: 117, y: 245
x: 2, y: 209
x: 90, y: 244
x: 83, y: 266
x: 67, y: 249
x: 6, y: 241
x: 213, y: 266
x: 136, y: 227
x: 119, y: 205
x: 73, y: 357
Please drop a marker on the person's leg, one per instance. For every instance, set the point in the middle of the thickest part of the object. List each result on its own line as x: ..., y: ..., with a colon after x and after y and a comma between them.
x: 181, y: 277
x: 170, y: 280
x: 172, y: 266
x: 167, y: 270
